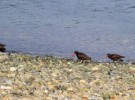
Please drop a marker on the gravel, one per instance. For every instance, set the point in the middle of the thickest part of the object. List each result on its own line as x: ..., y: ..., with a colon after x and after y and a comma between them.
x: 25, y: 77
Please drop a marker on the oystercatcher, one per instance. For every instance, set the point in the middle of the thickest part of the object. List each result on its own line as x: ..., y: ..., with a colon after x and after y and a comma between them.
x: 115, y: 57
x: 81, y: 55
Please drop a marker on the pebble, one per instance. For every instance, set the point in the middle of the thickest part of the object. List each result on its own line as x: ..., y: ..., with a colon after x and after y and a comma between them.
x: 82, y: 81
x: 54, y: 74
x: 71, y: 81
x: 13, y: 69
x: 70, y: 89
x: 95, y: 69
x: 5, y: 87
x: 132, y: 68
x: 9, y: 82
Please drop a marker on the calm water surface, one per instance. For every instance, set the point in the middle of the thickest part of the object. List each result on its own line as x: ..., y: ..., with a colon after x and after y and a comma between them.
x: 59, y: 27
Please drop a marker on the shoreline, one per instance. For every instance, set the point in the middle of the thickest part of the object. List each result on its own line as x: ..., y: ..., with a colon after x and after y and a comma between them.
x: 71, y: 58
x: 25, y: 76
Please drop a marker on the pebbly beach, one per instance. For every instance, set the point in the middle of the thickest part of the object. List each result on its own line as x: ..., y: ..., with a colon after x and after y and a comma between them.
x: 25, y: 77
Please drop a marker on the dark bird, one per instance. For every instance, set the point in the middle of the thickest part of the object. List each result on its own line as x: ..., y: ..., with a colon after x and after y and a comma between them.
x: 81, y: 55
x: 2, y: 47
x: 115, y: 57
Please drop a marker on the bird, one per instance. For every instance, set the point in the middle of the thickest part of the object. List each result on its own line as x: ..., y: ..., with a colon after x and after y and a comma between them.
x: 2, y: 47
x: 81, y: 56
x: 115, y: 57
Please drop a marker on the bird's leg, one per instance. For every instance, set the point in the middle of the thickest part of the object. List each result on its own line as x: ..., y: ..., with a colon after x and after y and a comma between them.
x: 82, y: 61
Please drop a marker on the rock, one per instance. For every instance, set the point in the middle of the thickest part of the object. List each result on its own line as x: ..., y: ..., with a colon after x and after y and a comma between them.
x: 70, y: 89
x: 54, y: 74
x: 95, y: 69
x: 48, y: 98
x: 13, y: 69
x: 69, y: 63
x: 5, y: 87
x: 10, y: 75
x: 132, y: 68
x: 70, y: 70
x: 96, y: 98
x: 85, y: 98
x: 9, y: 82
x: 46, y: 91
x: 82, y: 81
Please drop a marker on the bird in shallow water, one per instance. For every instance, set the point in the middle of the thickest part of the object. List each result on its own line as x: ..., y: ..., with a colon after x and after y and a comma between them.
x: 2, y: 47
x: 81, y: 56
x: 115, y: 57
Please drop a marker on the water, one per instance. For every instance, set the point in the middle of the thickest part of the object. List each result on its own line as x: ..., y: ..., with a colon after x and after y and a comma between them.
x: 59, y: 27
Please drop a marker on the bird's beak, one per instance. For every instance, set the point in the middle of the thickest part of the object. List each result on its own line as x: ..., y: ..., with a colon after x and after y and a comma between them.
x: 73, y: 54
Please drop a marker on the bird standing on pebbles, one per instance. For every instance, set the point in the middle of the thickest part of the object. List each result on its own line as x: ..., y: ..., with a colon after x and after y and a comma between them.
x: 81, y: 56
x: 115, y: 57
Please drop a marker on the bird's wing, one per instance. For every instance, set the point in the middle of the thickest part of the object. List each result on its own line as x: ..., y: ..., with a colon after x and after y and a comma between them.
x: 82, y: 55
x: 116, y: 55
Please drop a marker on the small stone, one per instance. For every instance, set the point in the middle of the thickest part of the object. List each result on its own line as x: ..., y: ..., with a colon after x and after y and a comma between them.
x: 49, y: 83
x: 5, y: 87
x: 9, y: 82
x: 82, y: 81
x: 48, y: 98
x: 38, y: 93
x: 10, y: 75
x: 46, y: 91
x: 96, y: 98
x: 4, y: 57
x: 13, y: 69
x: 70, y: 70
x: 54, y: 74
x: 69, y: 63
x: 105, y: 96
x: 95, y: 69
x: 132, y: 68
x: 20, y: 66
x: 85, y: 98
x: 70, y: 89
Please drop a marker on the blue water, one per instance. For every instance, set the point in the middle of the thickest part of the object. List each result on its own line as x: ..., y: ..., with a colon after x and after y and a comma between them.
x: 59, y: 27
